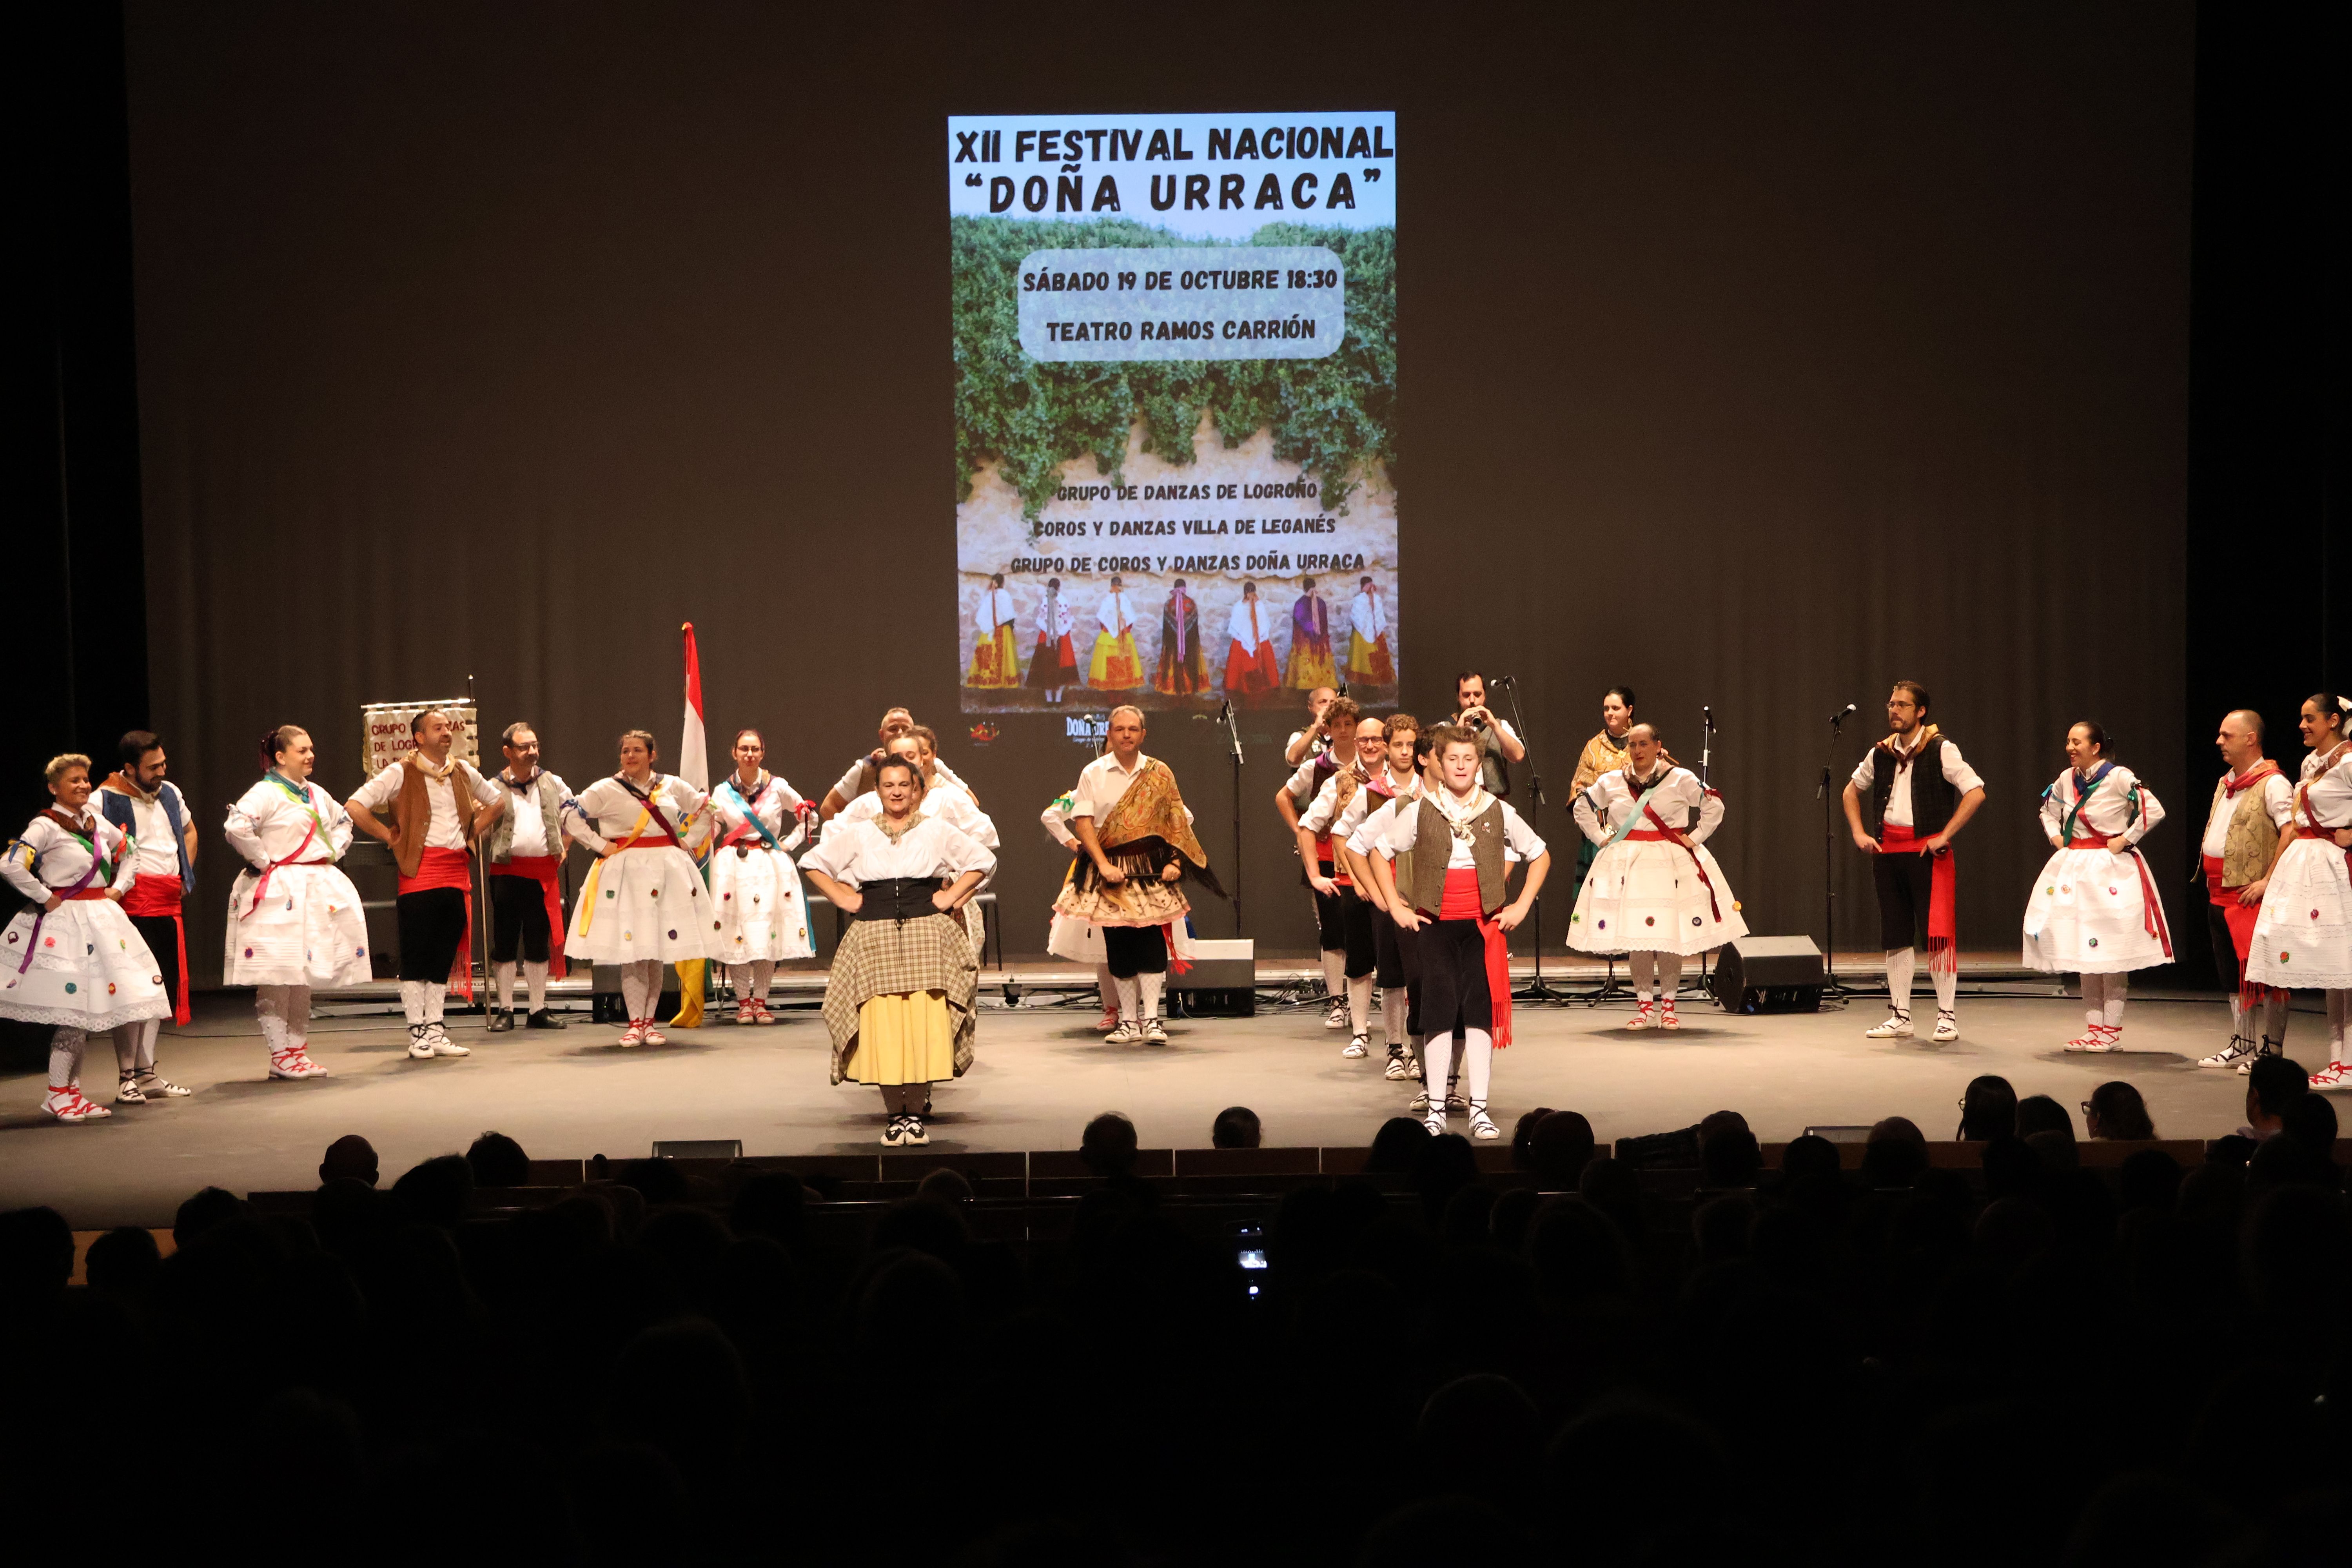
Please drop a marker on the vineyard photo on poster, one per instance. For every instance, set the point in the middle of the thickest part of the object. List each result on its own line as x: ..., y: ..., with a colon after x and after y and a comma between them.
x: 1175, y: 404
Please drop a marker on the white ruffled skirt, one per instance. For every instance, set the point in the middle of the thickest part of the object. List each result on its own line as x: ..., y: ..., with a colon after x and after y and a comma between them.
x: 2304, y: 935
x: 645, y: 906
x: 762, y: 910
x: 2089, y: 915
x: 1643, y: 895
x: 309, y: 930
x: 90, y: 969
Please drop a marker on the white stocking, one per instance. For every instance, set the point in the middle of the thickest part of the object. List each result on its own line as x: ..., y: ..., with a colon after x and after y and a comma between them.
x: 1670, y: 974
x: 503, y: 973
x: 1110, y: 985
x: 534, y: 977
x: 1436, y: 1057
x: 1359, y: 1005
x: 1479, y: 1064
x: 2339, y: 1012
x: 1125, y: 987
x: 65, y: 1047
x: 1151, y: 985
x: 434, y: 993
x: 297, y: 1015
x: 763, y: 970
x: 147, y: 1032
x: 641, y: 987
x: 1334, y: 974
x: 126, y: 1047
x: 1395, y: 1009
x: 1948, y: 985
x: 271, y: 1002
x: 2274, y: 1014
x: 738, y: 976
x: 2113, y: 999
x: 2094, y: 1012
x: 1644, y: 969
x: 1900, y: 966
x: 412, y: 1000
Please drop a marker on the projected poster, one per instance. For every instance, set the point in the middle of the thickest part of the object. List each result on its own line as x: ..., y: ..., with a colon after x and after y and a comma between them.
x: 1175, y: 345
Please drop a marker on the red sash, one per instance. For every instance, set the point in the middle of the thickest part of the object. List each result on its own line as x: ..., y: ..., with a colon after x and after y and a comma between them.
x: 84, y: 895
x: 450, y: 869
x: 1943, y: 919
x: 154, y: 897
x: 2151, y: 908
x: 1650, y: 811
x: 548, y: 872
x: 1461, y: 902
x: 2239, y: 918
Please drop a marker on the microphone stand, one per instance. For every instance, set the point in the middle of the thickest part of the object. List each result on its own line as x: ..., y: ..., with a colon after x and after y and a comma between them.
x: 1830, y: 986
x: 1233, y: 738
x: 1705, y: 767
x: 1536, y: 990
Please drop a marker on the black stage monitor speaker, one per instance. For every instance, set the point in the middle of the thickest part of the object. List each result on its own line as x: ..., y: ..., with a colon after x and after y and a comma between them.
x: 1220, y: 982
x: 1770, y: 974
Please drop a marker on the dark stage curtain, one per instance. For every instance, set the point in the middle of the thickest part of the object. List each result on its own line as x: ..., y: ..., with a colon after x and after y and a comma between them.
x: 1752, y: 356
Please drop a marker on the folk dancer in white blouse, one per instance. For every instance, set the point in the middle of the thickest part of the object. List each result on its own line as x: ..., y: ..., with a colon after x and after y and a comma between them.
x: 1067, y: 936
x: 944, y: 796
x: 1656, y: 892
x: 1456, y: 901
x: 74, y: 961
x: 295, y: 924
x: 762, y: 913
x: 2304, y: 935
x: 644, y: 905
x: 1396, y: 780
x: 899, y: 1001
x: 2094, y: 909
x: 1921, y: 793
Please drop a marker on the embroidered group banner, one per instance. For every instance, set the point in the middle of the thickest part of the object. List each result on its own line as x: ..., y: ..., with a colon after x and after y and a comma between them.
x: 1175, y: 344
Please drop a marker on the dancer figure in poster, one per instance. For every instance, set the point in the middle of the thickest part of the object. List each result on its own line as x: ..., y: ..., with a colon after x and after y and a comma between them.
x: 1115, y: 665
x: 1310, y: 640
x: 1368, y: 660
x: 1251, y: 671
x: 995, y: 652
x: 1055, y: 666
x: 1183, y: 664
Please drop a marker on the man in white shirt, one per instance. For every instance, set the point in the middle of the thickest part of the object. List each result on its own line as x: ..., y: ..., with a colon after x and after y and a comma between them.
x: 1336, y: 720
x: 141, y: 801
x: 2250, y: 822
x: 525, y: 860
x: 1499, y: 743
x: 1136, y: 857
x: 860, y: 779
x: 1921, y: 793
x: 1322, y: 839
x: 438, y: 806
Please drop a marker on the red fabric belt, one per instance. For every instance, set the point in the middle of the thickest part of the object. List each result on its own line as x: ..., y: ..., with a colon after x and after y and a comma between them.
x: 1461, y: 902
x: 548, y: 872
x: 2151, y: 907
x: 450, y: 869
x: 1651, y: 835
x: 2327, y: 833
x: 84, y: 895
x: 158, y: 898
x: 1943, y: 916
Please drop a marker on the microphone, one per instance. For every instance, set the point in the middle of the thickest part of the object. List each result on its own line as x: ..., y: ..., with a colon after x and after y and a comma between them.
x: 1838, y: 718
x: 1506, y: 680
x: 1341, y: 690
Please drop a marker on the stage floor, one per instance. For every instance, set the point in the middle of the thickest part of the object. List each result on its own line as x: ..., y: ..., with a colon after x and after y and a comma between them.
x: 1042, y: 1072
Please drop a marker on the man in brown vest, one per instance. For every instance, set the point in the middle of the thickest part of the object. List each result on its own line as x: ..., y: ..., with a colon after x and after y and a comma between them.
x: 2251, y: 819
x: 1458, y: 903
x: 437, y: 806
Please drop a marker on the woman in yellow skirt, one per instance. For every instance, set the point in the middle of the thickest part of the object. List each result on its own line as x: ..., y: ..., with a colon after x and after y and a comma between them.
x: 1115, y: 665
x: 995, y: 656
x: 899, y: 1001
